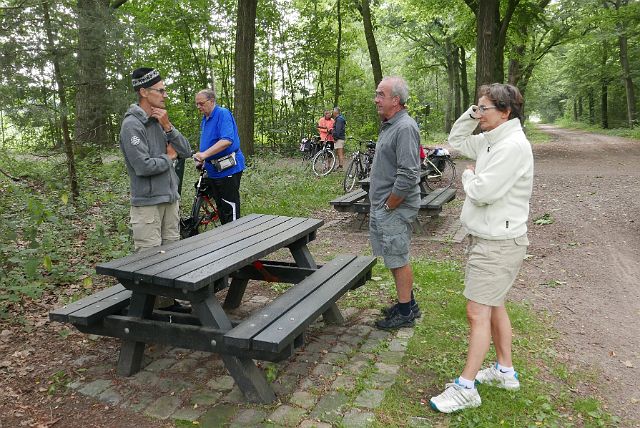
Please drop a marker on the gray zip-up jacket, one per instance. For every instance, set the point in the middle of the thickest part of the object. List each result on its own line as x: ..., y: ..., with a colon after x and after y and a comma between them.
x: 396, y: 164
x: 144, y: 144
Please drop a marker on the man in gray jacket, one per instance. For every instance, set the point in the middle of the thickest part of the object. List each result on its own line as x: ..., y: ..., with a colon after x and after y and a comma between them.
x: 150, y: 145
x: 395, y: 196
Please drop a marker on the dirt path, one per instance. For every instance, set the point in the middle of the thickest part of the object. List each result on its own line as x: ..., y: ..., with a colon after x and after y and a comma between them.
x: 586, y: 265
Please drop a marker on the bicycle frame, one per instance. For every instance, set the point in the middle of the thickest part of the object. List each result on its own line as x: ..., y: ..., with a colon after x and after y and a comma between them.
x: 189, y: 226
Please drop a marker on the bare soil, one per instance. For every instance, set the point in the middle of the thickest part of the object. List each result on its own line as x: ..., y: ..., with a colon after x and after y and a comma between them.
x: 582, y: 270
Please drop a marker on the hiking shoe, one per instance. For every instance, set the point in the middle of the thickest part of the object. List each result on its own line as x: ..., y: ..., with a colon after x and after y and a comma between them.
x: 390, y: 310
x: 493, y: 376
x: 455, y: 397
x: 396, y: 320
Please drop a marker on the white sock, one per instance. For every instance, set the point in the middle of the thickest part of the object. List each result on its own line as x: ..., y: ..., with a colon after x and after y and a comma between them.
x: 469, y: 384
x: 505, y: 370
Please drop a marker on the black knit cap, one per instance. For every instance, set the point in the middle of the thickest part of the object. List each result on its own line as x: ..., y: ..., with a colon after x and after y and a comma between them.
x: 144, y: 77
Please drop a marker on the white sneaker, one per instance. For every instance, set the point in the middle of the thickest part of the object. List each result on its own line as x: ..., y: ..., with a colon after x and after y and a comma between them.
x: 455, y: 397
x: 493, y: 376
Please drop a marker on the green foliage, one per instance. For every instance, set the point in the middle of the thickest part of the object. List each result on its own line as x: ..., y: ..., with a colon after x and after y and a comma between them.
x: 546, y: 218
x: 45, y: 243
x: 286, y: 186
x: 57, y: 381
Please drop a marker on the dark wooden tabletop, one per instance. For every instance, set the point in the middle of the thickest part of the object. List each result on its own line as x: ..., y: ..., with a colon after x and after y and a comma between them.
x: 198, y: 261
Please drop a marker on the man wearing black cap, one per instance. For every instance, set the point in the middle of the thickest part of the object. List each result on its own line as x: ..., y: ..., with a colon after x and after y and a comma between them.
x: 150, y: 145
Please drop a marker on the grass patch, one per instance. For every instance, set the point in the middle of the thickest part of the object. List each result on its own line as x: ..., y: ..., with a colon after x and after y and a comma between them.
x: 437, y: 351
x: 616, y: 132
x: 535, y: 135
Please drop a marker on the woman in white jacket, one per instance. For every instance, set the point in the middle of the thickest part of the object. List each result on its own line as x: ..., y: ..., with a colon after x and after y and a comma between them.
x: 495, y: 212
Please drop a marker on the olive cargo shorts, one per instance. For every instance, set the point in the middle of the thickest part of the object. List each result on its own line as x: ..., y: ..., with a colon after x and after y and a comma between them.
x: 154, y: 225
x: 492, y: 267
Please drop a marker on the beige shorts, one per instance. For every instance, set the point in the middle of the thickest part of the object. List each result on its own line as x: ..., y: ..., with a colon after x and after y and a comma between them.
x: 339, y: 144
x: 492, y: 267
x: 154, y: 225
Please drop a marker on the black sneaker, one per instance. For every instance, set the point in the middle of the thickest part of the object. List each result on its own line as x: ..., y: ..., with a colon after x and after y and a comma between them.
x: 396, y: 320
x: 390, y: 310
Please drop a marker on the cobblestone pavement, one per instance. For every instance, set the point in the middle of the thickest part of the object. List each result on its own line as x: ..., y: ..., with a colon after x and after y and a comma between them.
x: 337, y: 378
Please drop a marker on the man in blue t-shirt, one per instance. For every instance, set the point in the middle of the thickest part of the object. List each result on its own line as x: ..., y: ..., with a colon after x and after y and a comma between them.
x: 220, y: 148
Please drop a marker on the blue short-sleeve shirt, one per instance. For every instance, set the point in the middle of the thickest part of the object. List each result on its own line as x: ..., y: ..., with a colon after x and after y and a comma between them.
x: 221, y: 125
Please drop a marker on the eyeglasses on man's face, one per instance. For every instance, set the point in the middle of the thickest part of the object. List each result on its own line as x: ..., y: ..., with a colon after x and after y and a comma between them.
x: 483, y: 109
x: 161, y: 91
x: 201, y: 103
x: 381, y: 95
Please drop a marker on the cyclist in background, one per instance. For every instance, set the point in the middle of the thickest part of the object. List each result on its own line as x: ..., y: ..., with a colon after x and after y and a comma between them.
x: 339, y: 135
x: 220, y: 147
x: 325, y: 128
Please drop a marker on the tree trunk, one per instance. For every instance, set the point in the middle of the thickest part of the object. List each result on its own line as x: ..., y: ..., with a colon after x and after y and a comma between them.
x: 464, y: 80
x: 336, y: 96
x: 365, y: 11
x: 456, y: 82
x: 592, y: 107
x: 244, y: 107
x: 92, y: 115
x: 580, y: 108
x: 486, y: 40
x: 626, y: 71
x: 575, y: 109
x: 68, y: 145
x: 604, y: 90
x: 451, y: 73
x: 604, y: 111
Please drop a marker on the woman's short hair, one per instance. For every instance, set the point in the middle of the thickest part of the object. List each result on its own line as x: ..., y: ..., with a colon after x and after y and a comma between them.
x: 504, y: 97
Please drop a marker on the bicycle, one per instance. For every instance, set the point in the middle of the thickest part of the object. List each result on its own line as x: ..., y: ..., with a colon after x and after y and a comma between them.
x: 440, y: 168
x: 309, y: 146
x: 324, y: 161
x: 204, y: 213
x: 359, y: 166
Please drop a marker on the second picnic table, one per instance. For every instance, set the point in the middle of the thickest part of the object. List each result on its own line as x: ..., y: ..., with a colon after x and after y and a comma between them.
x: 431, y: 202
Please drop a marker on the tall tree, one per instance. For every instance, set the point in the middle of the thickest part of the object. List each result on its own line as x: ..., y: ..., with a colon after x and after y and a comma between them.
x: 55, y: 59
x: 365, y: 11
x: 244, y: 107
x: 619, y: 6
x: 491, y: 36
x: 336, y: 95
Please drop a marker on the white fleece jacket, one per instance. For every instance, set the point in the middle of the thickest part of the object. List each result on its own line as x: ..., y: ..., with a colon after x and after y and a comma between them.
x: 498, y: 193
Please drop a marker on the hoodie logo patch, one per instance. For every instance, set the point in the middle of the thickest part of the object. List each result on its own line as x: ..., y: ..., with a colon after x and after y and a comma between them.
x: 135, y: 140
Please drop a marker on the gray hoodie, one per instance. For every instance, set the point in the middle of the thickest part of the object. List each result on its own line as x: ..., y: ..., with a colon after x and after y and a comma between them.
x: 144, y: 145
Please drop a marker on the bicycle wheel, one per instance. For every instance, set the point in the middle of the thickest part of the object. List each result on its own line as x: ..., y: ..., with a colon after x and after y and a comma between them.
x: 351, y: 175
x: 323, y: 163
x: 442, y: 173
x: 205, y: 214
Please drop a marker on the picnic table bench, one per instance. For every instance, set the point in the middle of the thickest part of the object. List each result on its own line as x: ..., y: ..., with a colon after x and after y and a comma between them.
x: 431, y: 202
x: 194, y: 269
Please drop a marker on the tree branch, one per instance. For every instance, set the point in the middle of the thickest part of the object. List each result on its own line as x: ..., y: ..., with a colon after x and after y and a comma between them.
x: 117, y: 3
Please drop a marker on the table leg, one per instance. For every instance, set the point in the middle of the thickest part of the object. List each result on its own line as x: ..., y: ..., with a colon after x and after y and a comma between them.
x: 249, y: 378
x: 235, y: 293
x: 303, y: 258
x: 132, y: 353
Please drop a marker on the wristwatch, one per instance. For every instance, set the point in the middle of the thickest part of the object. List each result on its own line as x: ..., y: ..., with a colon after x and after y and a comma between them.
x: 386, y: 207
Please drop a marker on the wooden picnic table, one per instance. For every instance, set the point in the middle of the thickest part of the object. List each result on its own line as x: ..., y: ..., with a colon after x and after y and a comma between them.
x: 194, y: 269
x: 431, y: 202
